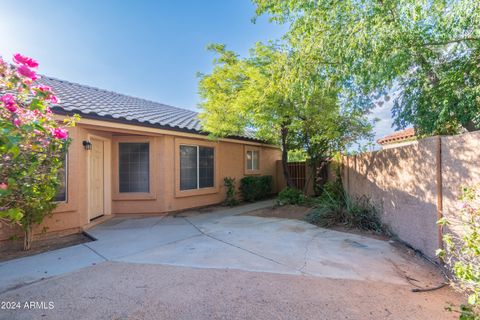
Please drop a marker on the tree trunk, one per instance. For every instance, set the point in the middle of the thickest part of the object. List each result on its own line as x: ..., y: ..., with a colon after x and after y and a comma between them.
x: 28, y: 239
x: 286, y: 174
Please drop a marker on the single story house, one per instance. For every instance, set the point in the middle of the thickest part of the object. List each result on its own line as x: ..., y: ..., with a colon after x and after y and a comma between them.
x: 133, y: 156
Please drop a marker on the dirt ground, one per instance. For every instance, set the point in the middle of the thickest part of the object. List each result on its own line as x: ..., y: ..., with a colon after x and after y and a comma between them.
x: 299, y: 212
x: 137, y: 291
x: 12, y: 249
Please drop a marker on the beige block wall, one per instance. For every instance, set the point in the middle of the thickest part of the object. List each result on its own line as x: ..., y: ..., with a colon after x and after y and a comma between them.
x: 71, y: 216
x: 403, y: 183
x: 460, y: 167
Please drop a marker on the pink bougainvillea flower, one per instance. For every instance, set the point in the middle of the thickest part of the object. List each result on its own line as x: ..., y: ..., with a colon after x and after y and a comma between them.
x: 54, y: 99
x: 12, y: 108
x: 9, y: 101
x: 60, y: 133
x: 26, y: 61
x: 27, y: 72
x: 42, y: 88
x: 17, y: 122
x: 3, y: 186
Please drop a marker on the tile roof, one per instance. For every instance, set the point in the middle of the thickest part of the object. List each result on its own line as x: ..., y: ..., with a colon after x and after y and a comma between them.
x: 92, y: 102
x: 397, y: 136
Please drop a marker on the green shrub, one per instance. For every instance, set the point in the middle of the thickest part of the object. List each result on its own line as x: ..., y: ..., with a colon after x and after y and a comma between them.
x: 461, y: 252
x: 290, y: 196
x: 255, y: 188
x: 231, y: 199
x: 335, y: 207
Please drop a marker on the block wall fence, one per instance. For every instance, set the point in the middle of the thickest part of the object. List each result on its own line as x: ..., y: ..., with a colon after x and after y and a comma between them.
x: 414, y: 185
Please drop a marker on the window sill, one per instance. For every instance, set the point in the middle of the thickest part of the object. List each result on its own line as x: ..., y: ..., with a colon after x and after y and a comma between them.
x: 133, y: 196
x: 195, y: 192
x: 65, y: 206
x: 252, y: 172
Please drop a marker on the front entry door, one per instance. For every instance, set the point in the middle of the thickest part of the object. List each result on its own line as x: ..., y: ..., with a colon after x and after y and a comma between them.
x: 96, y: 178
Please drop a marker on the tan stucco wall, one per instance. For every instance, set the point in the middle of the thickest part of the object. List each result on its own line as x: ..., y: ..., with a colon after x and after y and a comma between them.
x: 403, y: 182
x: 164, y: 173
x: 460, y: 167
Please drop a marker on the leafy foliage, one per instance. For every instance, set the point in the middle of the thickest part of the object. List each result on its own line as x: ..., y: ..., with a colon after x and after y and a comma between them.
x: 336, y: 207
x: 32, y: 146
x: 255, y: 188
x: 290, y: 196
x: 280, y: 99
x: 231, y: 199
x: 426, y: 51
x: 462, y: 251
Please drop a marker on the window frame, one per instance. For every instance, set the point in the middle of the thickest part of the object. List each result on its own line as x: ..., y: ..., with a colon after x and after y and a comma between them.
x: 152, y: 174
x: 198, y: 165
x: 65, y: 164
x: 216, y: 167
x: 251, y: 161
x: 252, y: 149
x: 119, y: 167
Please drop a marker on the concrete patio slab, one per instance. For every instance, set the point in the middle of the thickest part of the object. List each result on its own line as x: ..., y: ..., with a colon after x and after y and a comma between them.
x: 120, y: 241
x: 224, y: 239
x: 26, y: 270
x: 204, y: 252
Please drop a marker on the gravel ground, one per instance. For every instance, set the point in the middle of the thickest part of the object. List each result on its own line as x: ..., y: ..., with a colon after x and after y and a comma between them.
x: 116, y: 290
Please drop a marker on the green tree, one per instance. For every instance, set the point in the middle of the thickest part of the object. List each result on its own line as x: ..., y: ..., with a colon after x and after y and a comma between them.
x: 248, y: 95
x: 280, y: 99
x: 427, y: 49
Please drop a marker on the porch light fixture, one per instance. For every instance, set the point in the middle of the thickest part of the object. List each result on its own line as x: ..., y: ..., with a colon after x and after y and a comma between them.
x: 87, y: 145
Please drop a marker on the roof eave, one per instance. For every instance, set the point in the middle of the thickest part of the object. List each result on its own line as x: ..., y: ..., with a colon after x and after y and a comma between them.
x: 109, y: 118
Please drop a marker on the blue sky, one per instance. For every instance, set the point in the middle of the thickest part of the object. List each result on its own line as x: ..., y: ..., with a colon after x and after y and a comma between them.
x: 148, y: 49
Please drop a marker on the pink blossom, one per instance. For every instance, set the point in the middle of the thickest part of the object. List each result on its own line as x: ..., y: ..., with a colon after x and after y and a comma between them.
x: 60, y: 133
x: 26, y: 61
x: 42, y: 88
x: 54, y: 99
x: 9, y: 101
x: 3, y: 186
x: 17, y: 122
x: 12, y: 108
x: 27, y: 72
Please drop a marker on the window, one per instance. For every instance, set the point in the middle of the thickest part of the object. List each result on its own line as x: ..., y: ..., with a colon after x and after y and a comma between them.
x: 62, y: 177
x: 196, y: 167
x: 253, y: 160
x: 134, y: 167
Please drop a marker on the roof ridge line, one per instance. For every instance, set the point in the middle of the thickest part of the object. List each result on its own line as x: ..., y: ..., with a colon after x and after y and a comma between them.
x: 117, y: 93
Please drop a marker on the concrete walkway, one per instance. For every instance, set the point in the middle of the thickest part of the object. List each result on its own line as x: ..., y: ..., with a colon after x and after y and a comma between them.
x: 198, y: 265
x: 225, y: 239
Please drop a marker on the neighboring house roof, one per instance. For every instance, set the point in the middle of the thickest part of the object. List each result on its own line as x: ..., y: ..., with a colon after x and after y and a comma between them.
x: 90, y: 102
x: 398, y: 136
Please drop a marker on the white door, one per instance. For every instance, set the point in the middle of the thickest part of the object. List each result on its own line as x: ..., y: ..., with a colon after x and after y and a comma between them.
x: 96, y: 179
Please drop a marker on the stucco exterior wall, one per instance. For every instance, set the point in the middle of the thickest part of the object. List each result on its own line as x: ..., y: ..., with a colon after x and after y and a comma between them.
x: 71, y: 216
x: 460, y: 167
x: 404, y: 183
x: 401, y: 182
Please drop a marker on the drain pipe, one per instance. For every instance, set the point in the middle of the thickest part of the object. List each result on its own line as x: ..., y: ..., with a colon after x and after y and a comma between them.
x: 439, y: 191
